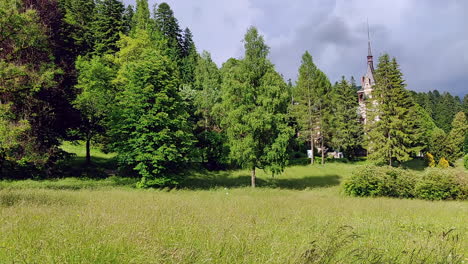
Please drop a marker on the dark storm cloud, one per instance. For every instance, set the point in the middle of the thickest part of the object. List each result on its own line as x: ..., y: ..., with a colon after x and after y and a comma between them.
x: 429, y: 38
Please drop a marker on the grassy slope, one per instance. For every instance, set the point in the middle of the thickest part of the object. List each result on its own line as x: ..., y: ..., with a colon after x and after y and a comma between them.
x: 306, y: 220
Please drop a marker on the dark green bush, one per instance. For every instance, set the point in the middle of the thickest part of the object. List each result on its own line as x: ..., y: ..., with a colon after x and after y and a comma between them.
x: 441, y: 184
x: 380, y: 181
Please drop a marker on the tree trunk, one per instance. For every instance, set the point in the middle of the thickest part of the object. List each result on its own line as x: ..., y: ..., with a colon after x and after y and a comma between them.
x: 253, y: 177
x: 312, y: 147
x: 323, y: 152
x: 88, y: 152
x: 389, y: 152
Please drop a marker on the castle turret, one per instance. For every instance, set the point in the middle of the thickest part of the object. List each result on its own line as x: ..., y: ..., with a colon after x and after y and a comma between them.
x: 367, y: 81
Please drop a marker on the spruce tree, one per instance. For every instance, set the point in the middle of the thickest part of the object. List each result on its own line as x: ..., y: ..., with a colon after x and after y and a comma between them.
x: 438, y: 144
x: 149, y: 126
x: 390, y: 129
x: 189, y: 58
x: 168, y: 26
x: 141, y: 19
x: 79, y: 16
x: 128, y: 19
x: 457, y: 135
x: 108, y: 24
x: 254, y: 106
x: 347, y: 130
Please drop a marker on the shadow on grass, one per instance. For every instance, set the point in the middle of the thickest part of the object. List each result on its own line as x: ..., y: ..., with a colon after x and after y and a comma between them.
x: 414, y: 164
x: 211, y: 180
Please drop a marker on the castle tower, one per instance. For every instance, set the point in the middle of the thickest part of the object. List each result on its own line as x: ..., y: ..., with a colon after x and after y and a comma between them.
x: 367, y: 81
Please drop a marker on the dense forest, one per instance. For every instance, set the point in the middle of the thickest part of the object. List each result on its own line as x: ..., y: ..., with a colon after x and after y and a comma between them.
x: 131, y: 81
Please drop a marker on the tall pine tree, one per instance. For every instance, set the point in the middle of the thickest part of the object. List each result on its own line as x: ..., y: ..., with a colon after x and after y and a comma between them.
x: 390, y: 129
x: 347, y: 130
x: 108, y: 24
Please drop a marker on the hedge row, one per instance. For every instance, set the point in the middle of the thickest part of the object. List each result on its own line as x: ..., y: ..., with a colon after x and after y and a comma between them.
x: 432, y: 184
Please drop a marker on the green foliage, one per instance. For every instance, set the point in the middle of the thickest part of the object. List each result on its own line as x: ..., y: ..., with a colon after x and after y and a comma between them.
x: 168, y: 26
x: 95, y: 98
x: 457, y: 136
x: 443, y: 163
x: 79, y: 16
x: 311, y: 98
x: 380, y: 181
x: 211, y: 140
x: 391, y: 130
x: 347, y: 132
x: 442, y: 184
x: 465, y: 161
x: 127, y: 19
x: 254, y: 107
x: 149, y: 124
x: 141, y: 18
x: 438, y: 144
x: 441, y: 107
x: 107, y: 25
x: 433, y: 184
x: 27, y: 76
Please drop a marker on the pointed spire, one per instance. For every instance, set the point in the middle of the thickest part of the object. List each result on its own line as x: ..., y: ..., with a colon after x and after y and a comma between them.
x: 369, y: 53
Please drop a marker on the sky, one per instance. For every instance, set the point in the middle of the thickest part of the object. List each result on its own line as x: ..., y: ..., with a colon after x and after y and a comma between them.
x: 429, y: 38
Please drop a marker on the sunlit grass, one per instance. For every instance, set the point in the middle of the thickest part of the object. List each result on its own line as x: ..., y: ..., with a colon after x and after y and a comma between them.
x: 301, y: 216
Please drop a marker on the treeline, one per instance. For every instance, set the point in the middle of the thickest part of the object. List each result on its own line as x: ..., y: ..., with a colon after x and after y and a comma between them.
x: 441, y: 107
x: 131, y: 81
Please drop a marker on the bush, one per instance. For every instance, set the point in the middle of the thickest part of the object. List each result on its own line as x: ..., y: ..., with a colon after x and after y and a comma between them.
x: 465, y: 161
x: 433, y: 184
x: 443, y: 163
x: 430, y: 160
x: 380, y: 181
x: 439, y: 184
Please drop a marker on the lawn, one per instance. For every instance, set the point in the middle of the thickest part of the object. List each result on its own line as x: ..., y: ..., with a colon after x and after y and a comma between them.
x: 301, y: 216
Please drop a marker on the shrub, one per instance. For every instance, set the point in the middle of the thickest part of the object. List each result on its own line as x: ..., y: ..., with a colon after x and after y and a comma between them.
x: 439, y: 184
x: 465, y: 161
x: 443, y: 163
x: 430, y: 160
x: 433, y: 184
x: 380, y: 181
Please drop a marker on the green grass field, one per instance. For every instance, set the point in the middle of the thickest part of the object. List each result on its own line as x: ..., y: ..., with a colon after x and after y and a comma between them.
x: 301, y: 216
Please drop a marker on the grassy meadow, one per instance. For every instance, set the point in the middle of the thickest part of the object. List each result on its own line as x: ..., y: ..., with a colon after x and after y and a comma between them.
x: 301, y: 216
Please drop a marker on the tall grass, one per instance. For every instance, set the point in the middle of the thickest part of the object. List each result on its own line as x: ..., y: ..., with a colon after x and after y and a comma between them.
x: 282, y: 223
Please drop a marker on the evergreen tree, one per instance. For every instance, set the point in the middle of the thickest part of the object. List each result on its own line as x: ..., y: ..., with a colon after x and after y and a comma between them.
x: 390, y: 130
x: 107, y: 25
x: 168, y: 26
x: 128, y: 19
x: 254, y: 104
x: 141, y: 18
x: 189, y: 58
x: 79, y: 16
x: 465, y: 104
x: 438, y: 144
x: 457, y: 135
x: 347, y: 130
x: 149, y: 126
